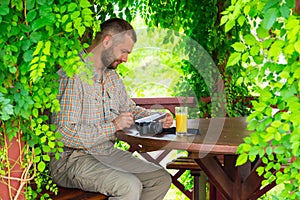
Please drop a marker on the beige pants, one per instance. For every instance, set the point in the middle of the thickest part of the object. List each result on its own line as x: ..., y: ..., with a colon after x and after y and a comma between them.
x: 119, y: 175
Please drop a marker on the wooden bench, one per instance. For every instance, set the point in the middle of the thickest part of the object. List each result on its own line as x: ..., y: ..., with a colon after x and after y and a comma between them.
x: 77, y: 194
x: 182, y: 164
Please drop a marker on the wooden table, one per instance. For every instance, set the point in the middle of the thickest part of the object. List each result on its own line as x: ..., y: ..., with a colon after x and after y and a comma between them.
x: 218, y: 137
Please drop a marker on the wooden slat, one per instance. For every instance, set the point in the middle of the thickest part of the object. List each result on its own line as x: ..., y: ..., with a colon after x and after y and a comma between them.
x: 183, y: 163
x: 77, y: 194
x: 164, y: 102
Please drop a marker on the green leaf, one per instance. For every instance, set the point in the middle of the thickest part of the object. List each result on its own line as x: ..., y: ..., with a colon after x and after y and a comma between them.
x: 279, y: 150
x: 35, y: 112
x: 12, y: 70
x: 41, y: 2
x: 57, y: 156
x: 262, y: 33
x: 46, y: 158
x: 229, y: 25
x: 75, y: 15
x: 245, y: 56
x: 4, y: 9
x: 46, y: 148
x: 46, y: 49
x: 285, y: 11
x: 238, y: 46
x: 297, y: 46
x: 72, y: 7
x: 269, y: 150
x: 250, y: 39
x: 84, y: 3
x: 233, y: 59
x: 242, y: 159
x: 36, y: 159
x: 35, y: 36
x: 276, y: 123
x: 30, y: 4
x: 69, y: 27
x: 241, y: 20
x: 269, y: 18
x: 37, y: 151
x: 223, y: 19
x: 31, y: 15
x: 38, y: 49
x: 41, y: 166
x: 27, y: 56
x: 38, y: 23
x: 260, y: 170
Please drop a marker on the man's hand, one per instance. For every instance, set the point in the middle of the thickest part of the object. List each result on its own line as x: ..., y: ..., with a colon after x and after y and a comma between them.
x: 167, y: 121
x: 124, y: 120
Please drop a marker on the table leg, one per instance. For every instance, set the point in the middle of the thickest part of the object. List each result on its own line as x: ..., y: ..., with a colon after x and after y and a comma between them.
x: 216, y: 175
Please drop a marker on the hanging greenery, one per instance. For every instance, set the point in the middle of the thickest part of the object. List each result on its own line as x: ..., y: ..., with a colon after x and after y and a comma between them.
x: 200, y: 20
x: 37, y: 36
x: 270, y: 53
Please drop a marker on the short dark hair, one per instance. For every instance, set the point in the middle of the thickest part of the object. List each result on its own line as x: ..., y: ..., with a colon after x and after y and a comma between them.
x: 115, y: 26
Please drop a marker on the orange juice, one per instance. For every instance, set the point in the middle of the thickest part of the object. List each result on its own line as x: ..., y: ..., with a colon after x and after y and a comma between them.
x: 181, y: 123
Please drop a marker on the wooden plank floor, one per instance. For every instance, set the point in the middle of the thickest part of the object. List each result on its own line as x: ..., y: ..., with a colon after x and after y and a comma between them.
x: 76, y: 194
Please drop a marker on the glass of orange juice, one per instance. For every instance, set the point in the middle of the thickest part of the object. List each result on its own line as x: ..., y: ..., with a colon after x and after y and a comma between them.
x: 181, y: 115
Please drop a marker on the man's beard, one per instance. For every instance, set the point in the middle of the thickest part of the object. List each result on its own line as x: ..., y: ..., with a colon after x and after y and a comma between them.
x: 108, y: 58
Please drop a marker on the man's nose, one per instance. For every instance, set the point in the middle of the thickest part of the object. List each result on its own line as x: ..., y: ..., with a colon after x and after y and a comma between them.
x: 124, y: 57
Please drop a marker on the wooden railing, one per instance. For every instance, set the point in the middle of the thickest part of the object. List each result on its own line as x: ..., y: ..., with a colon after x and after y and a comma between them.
x: 165, y: 102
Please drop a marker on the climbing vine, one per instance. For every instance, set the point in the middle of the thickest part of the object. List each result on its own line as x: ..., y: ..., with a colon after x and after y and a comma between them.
x: 270, y: 53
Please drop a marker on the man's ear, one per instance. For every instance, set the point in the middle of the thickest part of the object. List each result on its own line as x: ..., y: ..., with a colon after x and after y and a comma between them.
x: 107, y: 41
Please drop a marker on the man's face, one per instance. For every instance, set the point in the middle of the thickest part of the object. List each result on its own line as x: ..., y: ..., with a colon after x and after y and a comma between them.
x: 117, y: 53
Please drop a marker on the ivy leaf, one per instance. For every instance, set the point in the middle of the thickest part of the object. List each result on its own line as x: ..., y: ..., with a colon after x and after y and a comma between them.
x: 242, y: 159
x: 233, y: 59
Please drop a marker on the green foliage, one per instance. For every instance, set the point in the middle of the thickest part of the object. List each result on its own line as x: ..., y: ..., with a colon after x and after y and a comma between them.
x: 269, y: 51
x: 200, y: 20
x: 37, y: 37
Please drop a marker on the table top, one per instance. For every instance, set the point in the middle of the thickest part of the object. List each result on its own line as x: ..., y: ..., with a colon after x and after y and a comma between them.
x: 217, y: 136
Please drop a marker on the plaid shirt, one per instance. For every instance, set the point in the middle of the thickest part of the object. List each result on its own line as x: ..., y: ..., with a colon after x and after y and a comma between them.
x: 85, y: 119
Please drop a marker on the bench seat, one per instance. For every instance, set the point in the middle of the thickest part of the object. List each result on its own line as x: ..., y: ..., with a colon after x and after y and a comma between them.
x: 77, y: 194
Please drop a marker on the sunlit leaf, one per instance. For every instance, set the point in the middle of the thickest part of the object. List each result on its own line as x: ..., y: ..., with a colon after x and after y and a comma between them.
x: 242, y: 159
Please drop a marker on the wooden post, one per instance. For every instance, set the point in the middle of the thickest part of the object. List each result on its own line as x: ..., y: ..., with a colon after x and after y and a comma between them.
x: 9, y: 187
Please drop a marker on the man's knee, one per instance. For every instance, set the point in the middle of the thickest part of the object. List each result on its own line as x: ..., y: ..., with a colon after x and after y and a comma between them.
x: 165, y: 179
x: 128, y: 188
